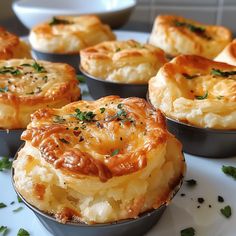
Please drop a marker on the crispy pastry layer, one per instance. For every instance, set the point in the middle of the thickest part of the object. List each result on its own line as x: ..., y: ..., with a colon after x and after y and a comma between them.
x: 69, y: 34
x: 98, y: 161
x: 228, y: 55
x: 12, y: 47
x: 177, y: 35
x: 123, y: 61
x: 196, y: 90
x: 27, y: 85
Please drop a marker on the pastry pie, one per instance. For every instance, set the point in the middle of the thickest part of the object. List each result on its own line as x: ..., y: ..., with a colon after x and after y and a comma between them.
x: 197, y: 91
x: 69, y: 34
x: 122, y: 61
x: 177, y: 35
x: 27, y: 85
x: 98, y: 161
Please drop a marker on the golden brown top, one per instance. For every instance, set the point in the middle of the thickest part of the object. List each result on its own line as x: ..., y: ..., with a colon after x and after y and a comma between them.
x: 105, y: 138
x: 178, y: 35
x: 69, y: 34
x: 196, y: 90
x: 123, y: 61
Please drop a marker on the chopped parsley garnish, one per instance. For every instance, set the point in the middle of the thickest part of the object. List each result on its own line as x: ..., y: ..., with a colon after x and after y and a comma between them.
x: 58, y: 119
x: 222, y: 73
x: 5, y: 163
x: 19, y: 199
x: 229, y: 170
x: 226, y: 211
x: 102, y: 110
x: 115, y: 152
x: 37, y: 67
x: 12, y: 203
x: 191, y: 182
x: 202, y: 97
x: 4, y: 90
x: 220, y: 199
x: 10, y: 70
x: 18, y: 209
x: 118, y: 49
x: 187, y: 76
x: 84, y: 115
x: 2, y: 205
x: 64, y: 140
x: 219, y: 97
x: 23, y: 232
x: 81, y: 78
x: 3, y: 230
x: 57, y: 21
x: 188, y: 232
x: 193, y: 28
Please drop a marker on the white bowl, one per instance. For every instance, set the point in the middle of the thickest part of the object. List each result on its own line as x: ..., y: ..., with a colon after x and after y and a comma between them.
x: 112, y: 12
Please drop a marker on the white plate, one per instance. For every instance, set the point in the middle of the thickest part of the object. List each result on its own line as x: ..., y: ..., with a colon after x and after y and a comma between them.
x: 181, y: 213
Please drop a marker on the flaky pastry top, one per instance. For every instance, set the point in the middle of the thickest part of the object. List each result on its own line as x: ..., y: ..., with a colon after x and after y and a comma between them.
x: 69, y: 34
x: 178, y: 35
x: 27, y: 85
x: 197, y: 91
x: 122, y: 61
x: 104, y: 138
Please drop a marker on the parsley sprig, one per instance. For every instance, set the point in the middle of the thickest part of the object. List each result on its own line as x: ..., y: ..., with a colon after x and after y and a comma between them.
x: 4, y: 90
x: 202, y: 97
x: 229, y: 170
x: 57, y: 21
x: 84, y: 115
x: 188, y: 232
x: 225, y: 74
x: 10, y: 70
x: 226, y: 211
x: 3, y: 230
x: 5, y: 163
x: 23, y: 232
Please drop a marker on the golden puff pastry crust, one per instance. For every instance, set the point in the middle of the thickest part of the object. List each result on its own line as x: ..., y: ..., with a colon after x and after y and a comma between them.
x: 69, y: 34
x: 196, y: 90
x: 123, y: 61
x: 177, y: 35
x: 12, y: 47
x: 27, y: 85
x: 228, y: 55
x: 98, y: 161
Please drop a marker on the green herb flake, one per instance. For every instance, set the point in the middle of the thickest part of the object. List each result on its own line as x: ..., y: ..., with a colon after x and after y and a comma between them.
x: 188, y: 232
x: 64, y: 140
x: 12, y: 203
x: 10, y: 70
x: 4, y: 90
x: 102, y: 110
x: 219, y: 97
x: 38, y: 68
x: 202, y: 97
x: 23, y: 232
x: 58, y: 119
x: 191, y: 182
x: 81, y: 78
x: 57, y: 21
x: 84, y: 116
x: 2, y: 205
x: 226, y: 211
x: 229, y: 170
x: 18, y: 209
x: 3, y: 230
x: 115, y: 152
x: 5, y: 164
x: 19, y: 199
x: 225, y: 74
x: 118, y: 49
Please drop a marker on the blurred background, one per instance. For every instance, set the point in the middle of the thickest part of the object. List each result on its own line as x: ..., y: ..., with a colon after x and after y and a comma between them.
x: 221, y: 12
